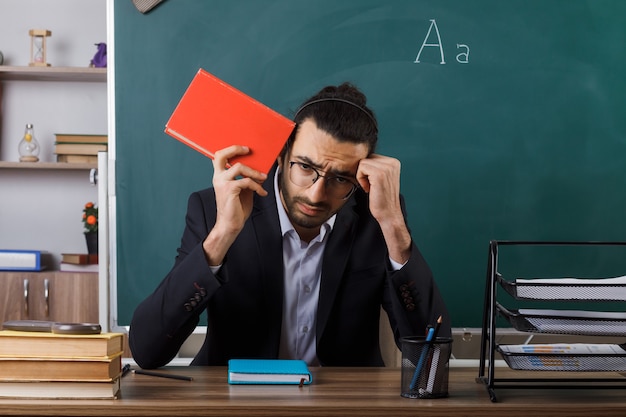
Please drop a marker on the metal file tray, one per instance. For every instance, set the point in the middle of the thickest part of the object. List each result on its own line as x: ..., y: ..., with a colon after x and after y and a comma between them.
x: 575, y: 322
x: 550, y: 361
x: 602, y: 294
x: 566, y: 289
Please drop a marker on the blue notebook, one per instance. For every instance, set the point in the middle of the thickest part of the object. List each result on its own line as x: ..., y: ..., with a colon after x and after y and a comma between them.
x: 268, y: 371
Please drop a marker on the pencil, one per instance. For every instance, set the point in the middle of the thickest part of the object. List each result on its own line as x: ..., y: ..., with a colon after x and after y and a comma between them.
x: 434, y: 360
x: 163, y: 375
x: 425, y: 349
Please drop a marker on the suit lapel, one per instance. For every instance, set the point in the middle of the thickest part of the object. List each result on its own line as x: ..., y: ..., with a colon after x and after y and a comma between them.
x: 270, y: 245
x: 334, y: 262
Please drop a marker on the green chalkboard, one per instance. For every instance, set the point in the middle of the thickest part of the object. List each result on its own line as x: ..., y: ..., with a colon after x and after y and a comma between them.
x: 512, y: 125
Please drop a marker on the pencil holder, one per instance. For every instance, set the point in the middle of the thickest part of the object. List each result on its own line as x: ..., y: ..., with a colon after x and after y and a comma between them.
x: 425, y: 367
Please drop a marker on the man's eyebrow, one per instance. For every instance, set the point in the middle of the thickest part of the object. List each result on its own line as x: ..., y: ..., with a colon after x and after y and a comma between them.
x: 308, y: 161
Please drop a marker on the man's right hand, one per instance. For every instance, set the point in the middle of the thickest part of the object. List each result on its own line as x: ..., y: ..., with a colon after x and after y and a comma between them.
x: 234, y: 191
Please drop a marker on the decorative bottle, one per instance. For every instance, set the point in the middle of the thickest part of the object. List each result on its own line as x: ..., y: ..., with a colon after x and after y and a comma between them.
x: 29, y: 147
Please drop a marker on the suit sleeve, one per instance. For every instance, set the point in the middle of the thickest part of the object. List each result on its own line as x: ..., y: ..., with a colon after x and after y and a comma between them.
x: 412, y: 298
x: 162, y: 322
x: 414, y: 301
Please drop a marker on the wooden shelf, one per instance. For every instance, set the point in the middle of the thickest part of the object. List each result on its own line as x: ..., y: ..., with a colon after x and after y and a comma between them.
x: 86, y: 74
x: 45, y: 165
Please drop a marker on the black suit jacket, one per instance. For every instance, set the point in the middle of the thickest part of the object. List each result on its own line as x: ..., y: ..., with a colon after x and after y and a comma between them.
x: 244, y: 299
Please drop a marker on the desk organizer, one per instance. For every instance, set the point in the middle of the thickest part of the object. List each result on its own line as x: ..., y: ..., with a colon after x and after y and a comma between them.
x: 606, y: 289
x: 558, y: 361
x: 572, y: 359
x: 574, y: 322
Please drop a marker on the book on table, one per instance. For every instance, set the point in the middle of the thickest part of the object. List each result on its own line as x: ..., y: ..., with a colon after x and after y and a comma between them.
x: 36, y: 364
x: 212, y: 115
x: 95, y: 369
x: 40, y: 344
x: 24, y: 260
x: 60, y: 389
x: 268, y: 371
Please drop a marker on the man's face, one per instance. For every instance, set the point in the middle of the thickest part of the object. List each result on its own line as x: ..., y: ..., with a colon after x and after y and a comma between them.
x: 308, y: 207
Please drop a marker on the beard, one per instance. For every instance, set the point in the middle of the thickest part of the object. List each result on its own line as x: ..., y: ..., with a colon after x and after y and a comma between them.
x: 298, y: 218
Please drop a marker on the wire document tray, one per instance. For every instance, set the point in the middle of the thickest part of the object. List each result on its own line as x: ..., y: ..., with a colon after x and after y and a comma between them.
x: 577, y: 358
x: 584, y: 364
x: 566, y: 289
x: 575, y: 322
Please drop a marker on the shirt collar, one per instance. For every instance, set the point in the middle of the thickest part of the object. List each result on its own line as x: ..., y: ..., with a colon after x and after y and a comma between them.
x: 285, y: 224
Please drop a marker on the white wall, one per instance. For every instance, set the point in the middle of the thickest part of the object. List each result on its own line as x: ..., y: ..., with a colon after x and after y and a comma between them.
x: 41, y: 209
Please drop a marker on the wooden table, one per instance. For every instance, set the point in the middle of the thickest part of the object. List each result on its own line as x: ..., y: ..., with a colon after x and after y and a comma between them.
x: 334, y: 392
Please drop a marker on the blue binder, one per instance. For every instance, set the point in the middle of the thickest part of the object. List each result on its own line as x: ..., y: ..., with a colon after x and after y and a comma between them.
x: 23, y: 260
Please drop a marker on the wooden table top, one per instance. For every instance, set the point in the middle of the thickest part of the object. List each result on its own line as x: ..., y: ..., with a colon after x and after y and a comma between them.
x: 334, y: 392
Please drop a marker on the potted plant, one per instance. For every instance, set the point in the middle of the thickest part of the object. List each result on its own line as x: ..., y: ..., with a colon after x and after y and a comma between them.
x: 90, y: 221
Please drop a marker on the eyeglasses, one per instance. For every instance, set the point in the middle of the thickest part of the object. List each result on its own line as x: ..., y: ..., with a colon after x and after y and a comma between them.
x: 304, y: 175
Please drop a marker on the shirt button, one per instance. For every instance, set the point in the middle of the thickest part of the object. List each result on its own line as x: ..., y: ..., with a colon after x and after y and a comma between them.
x: 305, y: 329
x: 307, y: 289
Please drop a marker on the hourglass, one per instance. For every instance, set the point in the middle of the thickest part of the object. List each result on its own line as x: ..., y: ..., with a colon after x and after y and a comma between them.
x: 38, y: 47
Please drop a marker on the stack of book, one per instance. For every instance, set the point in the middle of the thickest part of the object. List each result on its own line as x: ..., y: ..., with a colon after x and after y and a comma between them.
x: 79, y: 148
x: 52, y: 365
x: 79, y: 262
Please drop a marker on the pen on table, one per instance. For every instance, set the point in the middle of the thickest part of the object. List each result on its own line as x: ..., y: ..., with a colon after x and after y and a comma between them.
x: 420, y: 362
x: 125, y: 369
x: 162, y: 375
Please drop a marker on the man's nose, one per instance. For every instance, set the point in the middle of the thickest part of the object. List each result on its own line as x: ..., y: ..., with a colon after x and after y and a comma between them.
x: 317, y: 190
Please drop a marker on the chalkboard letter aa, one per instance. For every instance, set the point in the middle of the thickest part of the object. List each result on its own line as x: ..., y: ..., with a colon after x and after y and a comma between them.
x: 433, y: 24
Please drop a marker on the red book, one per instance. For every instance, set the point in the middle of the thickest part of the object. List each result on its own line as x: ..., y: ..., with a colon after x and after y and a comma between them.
x: 213, y: 115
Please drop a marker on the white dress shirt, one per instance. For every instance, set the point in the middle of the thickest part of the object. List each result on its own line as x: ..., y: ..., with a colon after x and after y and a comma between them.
x: 302, y: 264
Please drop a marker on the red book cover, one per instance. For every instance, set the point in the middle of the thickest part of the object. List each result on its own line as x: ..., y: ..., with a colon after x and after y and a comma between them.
x: 213, y: 115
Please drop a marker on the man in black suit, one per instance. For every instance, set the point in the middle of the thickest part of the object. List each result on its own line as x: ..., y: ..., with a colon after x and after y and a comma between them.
x: 297, y: 263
